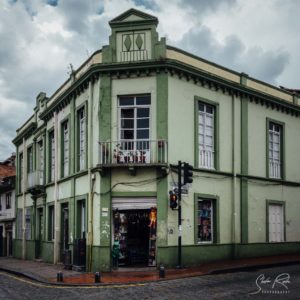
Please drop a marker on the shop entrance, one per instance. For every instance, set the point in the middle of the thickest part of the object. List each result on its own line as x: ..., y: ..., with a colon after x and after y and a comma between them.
x: 136, y: 237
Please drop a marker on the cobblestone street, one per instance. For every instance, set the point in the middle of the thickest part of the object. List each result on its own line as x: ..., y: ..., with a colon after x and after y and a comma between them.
x: 224, y: 286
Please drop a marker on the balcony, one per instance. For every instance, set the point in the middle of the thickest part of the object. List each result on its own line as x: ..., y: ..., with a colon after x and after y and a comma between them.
x: 133, y: 153
x: 35, y: 182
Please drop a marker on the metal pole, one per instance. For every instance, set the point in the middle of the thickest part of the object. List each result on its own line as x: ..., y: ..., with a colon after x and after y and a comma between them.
x: 179, y: 215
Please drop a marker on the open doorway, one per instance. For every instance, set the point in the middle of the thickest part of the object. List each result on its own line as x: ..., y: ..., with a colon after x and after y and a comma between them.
x: 136, y: 238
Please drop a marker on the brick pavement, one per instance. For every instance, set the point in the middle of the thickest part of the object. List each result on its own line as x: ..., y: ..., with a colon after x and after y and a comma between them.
x: 47, y: 272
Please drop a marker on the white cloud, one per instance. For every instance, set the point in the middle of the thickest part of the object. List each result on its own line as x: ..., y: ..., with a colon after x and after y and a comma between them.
x: 38, y: 41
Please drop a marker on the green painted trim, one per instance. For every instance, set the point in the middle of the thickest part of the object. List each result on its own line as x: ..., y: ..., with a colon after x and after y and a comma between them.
x: 216, y: 217
x: 27, y: 132
x: 17, y: 179
x: 282, y: 148
x: 105, y: 181
x: 77, y: 221
x: 200, y: 170
x: 244, y: 136
x: 243, y: 78
x: 279, y: 181
x: 29, y: 149
x: 62, y: 150
x: 276, y: 202
x: 45, y: 156
x: 40, y: 131
x: 244, y: 170
x: 72, y: 135
x: 216, y: 106
x: 106, y: 67
x: 83, y: 106
x: 162, y: 86
x: 162, y: 211
x: 133, y: 194
x: 21, y: 163
x: 105, y: 111
x: 244, y: 210
x: 49, y: 155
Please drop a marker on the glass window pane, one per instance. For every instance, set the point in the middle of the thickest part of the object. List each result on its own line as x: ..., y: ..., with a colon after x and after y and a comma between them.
x: 143, y: 112
x: 143, y: 100
x: 127, y: 123
x: 142, y: 134
x: 209, y: 121
x: 127, y: 135
x: 201, y: 107
x: 209, y: 109
x: 201, y: 118
x: 124, y: 101
x: 205, y: 221
x: 127, y: 113
x: 143, y: 123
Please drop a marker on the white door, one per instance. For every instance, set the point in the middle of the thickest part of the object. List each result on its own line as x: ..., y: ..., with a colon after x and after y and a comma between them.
x: 276, y: 226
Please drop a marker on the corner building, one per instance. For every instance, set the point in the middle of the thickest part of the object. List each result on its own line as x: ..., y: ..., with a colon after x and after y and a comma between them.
x: 95, y: 157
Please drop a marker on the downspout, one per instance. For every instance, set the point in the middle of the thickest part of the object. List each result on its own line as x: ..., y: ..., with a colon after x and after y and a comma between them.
x: 91, y: 177
x: 233, y: 224
x: 24, y: 199
x: 56, y: 206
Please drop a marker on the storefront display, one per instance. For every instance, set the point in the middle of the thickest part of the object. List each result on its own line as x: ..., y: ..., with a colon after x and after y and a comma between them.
x: 136, y: 232
x: 205, y: 221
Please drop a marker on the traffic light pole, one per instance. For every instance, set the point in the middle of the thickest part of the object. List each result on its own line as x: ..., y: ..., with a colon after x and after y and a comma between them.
x: 179, y: 215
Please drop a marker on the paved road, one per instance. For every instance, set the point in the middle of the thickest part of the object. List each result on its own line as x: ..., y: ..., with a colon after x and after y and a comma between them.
x: 222, y: 286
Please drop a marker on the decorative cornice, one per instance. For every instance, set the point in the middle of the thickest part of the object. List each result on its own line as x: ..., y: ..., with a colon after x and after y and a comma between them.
x: 28, y: 131
x: 174, y: 68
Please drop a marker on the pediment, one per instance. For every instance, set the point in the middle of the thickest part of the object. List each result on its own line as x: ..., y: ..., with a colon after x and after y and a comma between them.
x: 132, y: 15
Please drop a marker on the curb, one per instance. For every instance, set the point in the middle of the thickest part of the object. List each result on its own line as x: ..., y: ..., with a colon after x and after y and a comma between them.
x: 213, y: 272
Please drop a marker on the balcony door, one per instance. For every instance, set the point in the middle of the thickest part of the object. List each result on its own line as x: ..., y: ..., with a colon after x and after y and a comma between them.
x: 134, y: 129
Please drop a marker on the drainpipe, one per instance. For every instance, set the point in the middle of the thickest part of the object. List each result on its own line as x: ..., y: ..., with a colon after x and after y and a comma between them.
x: 24, y: 199
x: 234, y: 178
x: 90, y: 176
x: 56, y: 205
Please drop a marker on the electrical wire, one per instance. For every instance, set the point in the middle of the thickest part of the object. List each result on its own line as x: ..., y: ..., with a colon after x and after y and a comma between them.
x: 133, y: 183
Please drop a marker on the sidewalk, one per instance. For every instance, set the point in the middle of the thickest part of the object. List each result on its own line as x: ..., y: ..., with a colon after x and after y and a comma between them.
x: 47, y: 273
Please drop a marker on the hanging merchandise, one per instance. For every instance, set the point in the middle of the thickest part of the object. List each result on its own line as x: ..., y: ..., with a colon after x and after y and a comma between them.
x: 152, y: 237
x: 152, y: 217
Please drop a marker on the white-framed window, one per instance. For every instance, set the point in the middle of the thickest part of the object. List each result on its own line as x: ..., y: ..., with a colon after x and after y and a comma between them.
x: 65, y: 128
x: 134, y: 126
x: 52, y: 156
x: 275, y: 155
x: 30, y: 160
x: 8, y: 200
x: 206, y: 135
x: 41, y: 162
x: 276, y: 222
x: 82, y: 138
x: 205, y: 220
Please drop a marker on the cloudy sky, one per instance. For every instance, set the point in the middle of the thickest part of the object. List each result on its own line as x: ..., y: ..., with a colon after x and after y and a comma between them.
x: 40, y: 38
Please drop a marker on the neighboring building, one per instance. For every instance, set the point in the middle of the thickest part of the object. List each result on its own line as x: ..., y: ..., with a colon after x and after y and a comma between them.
x: 7, y: 205
x: 95, y: 158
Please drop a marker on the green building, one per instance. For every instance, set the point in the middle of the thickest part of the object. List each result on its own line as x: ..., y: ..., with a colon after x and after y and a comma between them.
x: 93, y: 161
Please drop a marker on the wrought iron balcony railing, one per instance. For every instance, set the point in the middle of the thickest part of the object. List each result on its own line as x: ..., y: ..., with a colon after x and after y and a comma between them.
x: 133, y: 152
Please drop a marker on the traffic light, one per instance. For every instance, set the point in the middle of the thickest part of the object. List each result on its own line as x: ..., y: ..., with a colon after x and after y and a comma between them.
x: 187, y: 173
x: 173, y: 200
